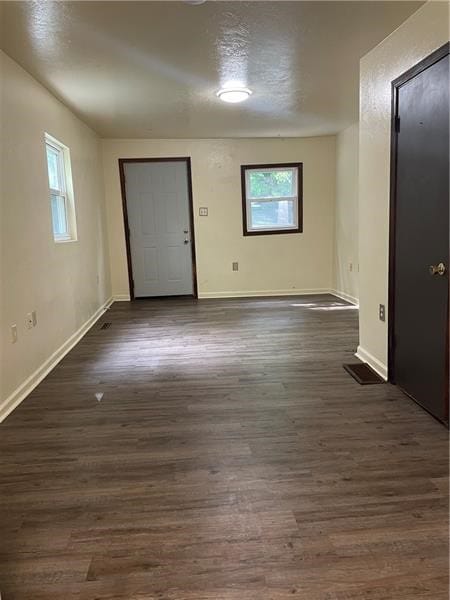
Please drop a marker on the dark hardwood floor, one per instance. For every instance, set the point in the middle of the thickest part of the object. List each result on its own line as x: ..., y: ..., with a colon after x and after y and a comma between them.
x: 231, y: 457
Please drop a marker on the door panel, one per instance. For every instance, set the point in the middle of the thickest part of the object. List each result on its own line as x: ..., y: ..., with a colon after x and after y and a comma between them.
x: 147, y: 214
x: 174, y: 262
x: 151, y: 264
x: 422, y: 238
x: 157, y: 199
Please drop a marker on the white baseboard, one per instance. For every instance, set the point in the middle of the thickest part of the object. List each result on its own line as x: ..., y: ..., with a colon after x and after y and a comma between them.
x: 345, y: 297
x: 263, y: 293
x: 256, y: 294
x: 35, y: 378
x: 373, y: 362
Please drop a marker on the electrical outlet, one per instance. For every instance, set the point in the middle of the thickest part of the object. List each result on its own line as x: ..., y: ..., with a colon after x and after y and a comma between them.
x: 382, y: 312
x: 34, y: 317
x: 235, y: 266
x: 13, y: 334
x: 203, y: 211
x: 29, y: 321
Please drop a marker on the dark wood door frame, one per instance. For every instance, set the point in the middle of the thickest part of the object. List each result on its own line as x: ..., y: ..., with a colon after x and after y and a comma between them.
x: 185, y: 159
x: 299, y: 228
x: 427, y: 62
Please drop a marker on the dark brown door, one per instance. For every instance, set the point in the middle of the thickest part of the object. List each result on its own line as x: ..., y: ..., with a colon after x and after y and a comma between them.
x: 420, y: 242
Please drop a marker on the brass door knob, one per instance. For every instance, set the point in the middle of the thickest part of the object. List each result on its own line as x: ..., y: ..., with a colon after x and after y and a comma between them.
x: 439, y: 269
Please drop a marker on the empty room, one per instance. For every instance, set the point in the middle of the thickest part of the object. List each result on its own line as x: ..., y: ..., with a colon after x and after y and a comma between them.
x: 224, y: 300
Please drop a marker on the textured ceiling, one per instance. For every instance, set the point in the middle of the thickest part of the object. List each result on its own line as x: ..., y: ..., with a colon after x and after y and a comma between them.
x: 152, y: 69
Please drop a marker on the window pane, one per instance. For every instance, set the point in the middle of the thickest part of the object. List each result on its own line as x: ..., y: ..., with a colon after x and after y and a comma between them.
x: 59, y: 216
x: 53, y: 168
x: 271, y: 184
x: 272, y: 215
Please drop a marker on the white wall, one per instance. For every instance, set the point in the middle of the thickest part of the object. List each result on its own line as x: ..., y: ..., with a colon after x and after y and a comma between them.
x: 425, y: 31
x: 65, y: 283
x: 276, y: 264
x: 346, y: 231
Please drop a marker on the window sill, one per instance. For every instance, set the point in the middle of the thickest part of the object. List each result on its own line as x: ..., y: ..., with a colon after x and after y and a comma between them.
x: 272, y: 231
x: 64, y: 240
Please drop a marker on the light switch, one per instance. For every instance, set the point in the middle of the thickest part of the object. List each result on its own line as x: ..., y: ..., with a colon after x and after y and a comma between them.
x: 203, y: 211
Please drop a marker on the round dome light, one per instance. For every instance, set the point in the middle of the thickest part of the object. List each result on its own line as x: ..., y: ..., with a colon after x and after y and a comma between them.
x: 234, y: 95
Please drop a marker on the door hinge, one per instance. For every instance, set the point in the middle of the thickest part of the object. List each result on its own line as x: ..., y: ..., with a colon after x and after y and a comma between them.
x: 397, y: 124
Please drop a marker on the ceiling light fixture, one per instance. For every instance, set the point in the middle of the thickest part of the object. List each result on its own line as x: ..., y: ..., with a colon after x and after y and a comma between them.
x: 234, y: 95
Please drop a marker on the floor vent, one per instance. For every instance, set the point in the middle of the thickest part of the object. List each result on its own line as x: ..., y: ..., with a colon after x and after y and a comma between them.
x: 106, y: 326
x: 363, y: 373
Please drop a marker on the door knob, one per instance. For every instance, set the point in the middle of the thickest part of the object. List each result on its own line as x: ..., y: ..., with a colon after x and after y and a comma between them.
x: 186, y: 241
x: 439, y: 269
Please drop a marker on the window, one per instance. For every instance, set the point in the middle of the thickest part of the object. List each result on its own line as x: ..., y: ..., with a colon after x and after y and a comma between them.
x: 61, y: 190
x: 272, y: 198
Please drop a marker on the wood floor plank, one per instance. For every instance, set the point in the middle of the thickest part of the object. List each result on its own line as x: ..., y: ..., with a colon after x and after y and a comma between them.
x: 230, y: 457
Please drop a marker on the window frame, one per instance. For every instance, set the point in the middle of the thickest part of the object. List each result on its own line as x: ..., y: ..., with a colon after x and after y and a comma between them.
x: 65, y: 191
x: 246, y: 201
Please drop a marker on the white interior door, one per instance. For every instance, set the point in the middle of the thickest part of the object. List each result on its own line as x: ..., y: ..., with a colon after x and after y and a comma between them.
x: 160, y: 237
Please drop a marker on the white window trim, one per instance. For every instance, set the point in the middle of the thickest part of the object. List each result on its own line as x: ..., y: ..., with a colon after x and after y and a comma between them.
x: 66, y: 192
x: 249, y: 199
